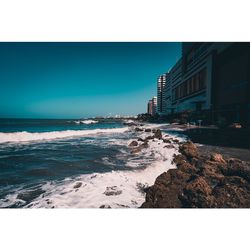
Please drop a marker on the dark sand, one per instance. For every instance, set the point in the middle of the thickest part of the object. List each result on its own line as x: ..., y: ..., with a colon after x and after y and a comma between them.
x: 231, y: 143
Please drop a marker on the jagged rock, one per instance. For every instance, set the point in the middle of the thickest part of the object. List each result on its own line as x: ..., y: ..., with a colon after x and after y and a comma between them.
x: 150, y: 137
x: 147, y: 130
x: 166, y: 141
x: 77, y: 185
x: 133, y: 144
x: 158, y: 134
x: 197, y: 194
x: 136, y: 150
x: 179, y: 159
x: 144, y: 145
x: 189, y: 150
x: 138, y: 129
x: 176, y: 141
x: 234, y: 192
x: 217, y: 158
x: 201, y: 181
x: 112, y: 191
x: 140, y: 147
x: 140, y: 139
x: 168, y: 146
x: 105, y: 206
x: 30, y: 195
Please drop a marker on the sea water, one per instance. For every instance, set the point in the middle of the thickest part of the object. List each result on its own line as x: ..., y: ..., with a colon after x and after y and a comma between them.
x: 77, y: 163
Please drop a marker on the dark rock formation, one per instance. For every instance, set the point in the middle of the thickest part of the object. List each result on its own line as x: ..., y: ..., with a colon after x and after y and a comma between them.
x: 147, y: 130
x: 138, y: 129
x: 201, y: 181
x: 112, y: 191
x: 105, y: 206
x: 77, y: 185
x: 139, y: 148
x: 133, y: 144
x: 158, y: 134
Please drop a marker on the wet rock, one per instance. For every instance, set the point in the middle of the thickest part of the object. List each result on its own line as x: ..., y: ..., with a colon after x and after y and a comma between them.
x: 112, y: 191
x: 150, y: 138
x: 147, y: 130
x: 30, y: 195
x: 201, y: 181
x: 138, y: 129
x: 140, y: 139
x: 179, y: 159
x: 169, y: 146
x: 142, y: 187
x: 176, y: 140
x: 166, y: 140
x: 133, y: 144
x: 77, y: 185
x: 140, y: 148
x: 158, y: 134
x: 136, y: 150
x: 105, y: 206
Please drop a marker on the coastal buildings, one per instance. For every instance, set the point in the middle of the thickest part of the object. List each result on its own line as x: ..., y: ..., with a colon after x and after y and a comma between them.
x: 152, y: 106
x: 161, y: 94
x: 210, y: 77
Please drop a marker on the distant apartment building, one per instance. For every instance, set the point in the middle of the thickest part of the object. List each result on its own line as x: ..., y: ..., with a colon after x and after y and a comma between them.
x: 209, y: 76
x: 152, y: 106
x: 161, y: 94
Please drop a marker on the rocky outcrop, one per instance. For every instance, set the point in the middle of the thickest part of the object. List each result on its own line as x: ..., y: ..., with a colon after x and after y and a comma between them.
x: 133, y: 144
x: 201, y: 181
x: 112, y: 191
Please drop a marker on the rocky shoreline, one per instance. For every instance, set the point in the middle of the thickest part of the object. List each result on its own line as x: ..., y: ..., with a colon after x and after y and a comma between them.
x: 201, y: 181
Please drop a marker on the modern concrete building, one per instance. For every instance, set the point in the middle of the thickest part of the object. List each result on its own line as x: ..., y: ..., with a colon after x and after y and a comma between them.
x: 210, y: 76
x: 231, y: 84
x: 161, y: 94
x: 152, y: 106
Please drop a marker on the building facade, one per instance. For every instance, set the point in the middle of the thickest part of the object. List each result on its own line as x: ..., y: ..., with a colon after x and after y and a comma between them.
x: 161, y: 94
x: 210, y: 76
x: 152, y: 106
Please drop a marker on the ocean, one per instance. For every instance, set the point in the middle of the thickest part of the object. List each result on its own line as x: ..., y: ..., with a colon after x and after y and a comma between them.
x: 47, y: 163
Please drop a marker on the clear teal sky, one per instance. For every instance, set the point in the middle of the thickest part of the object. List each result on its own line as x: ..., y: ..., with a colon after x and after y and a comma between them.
x: 74, y: 80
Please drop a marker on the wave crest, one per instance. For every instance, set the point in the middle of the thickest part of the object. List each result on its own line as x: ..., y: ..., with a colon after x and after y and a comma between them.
x: 27, y: 136
x: 86, y: 122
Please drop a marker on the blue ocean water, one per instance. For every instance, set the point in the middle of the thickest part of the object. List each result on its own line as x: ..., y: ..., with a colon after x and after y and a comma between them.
x: 35, y: 153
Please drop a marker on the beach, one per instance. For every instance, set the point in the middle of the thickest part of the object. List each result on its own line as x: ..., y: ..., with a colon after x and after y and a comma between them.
x: 108, y: 164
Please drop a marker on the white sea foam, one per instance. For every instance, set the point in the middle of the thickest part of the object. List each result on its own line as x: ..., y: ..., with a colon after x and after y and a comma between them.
x: 86, y: 122
x: 90, y: 190
x: 27, y: 136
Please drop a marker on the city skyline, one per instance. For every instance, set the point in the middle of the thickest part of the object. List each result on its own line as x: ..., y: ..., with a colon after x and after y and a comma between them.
x: 73, y: 80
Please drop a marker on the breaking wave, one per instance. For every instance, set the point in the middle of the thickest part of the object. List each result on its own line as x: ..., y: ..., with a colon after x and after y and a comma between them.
x: 27, y: 136
x: 86, y: 122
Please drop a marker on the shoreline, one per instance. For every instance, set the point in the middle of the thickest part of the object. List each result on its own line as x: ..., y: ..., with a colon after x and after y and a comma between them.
x: 207, y: 176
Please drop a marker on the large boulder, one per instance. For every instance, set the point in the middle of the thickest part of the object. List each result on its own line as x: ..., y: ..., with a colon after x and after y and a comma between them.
x: 158, y: 134
x: 133, y: 144
x: 189, y: 150
x: 138, y: 129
